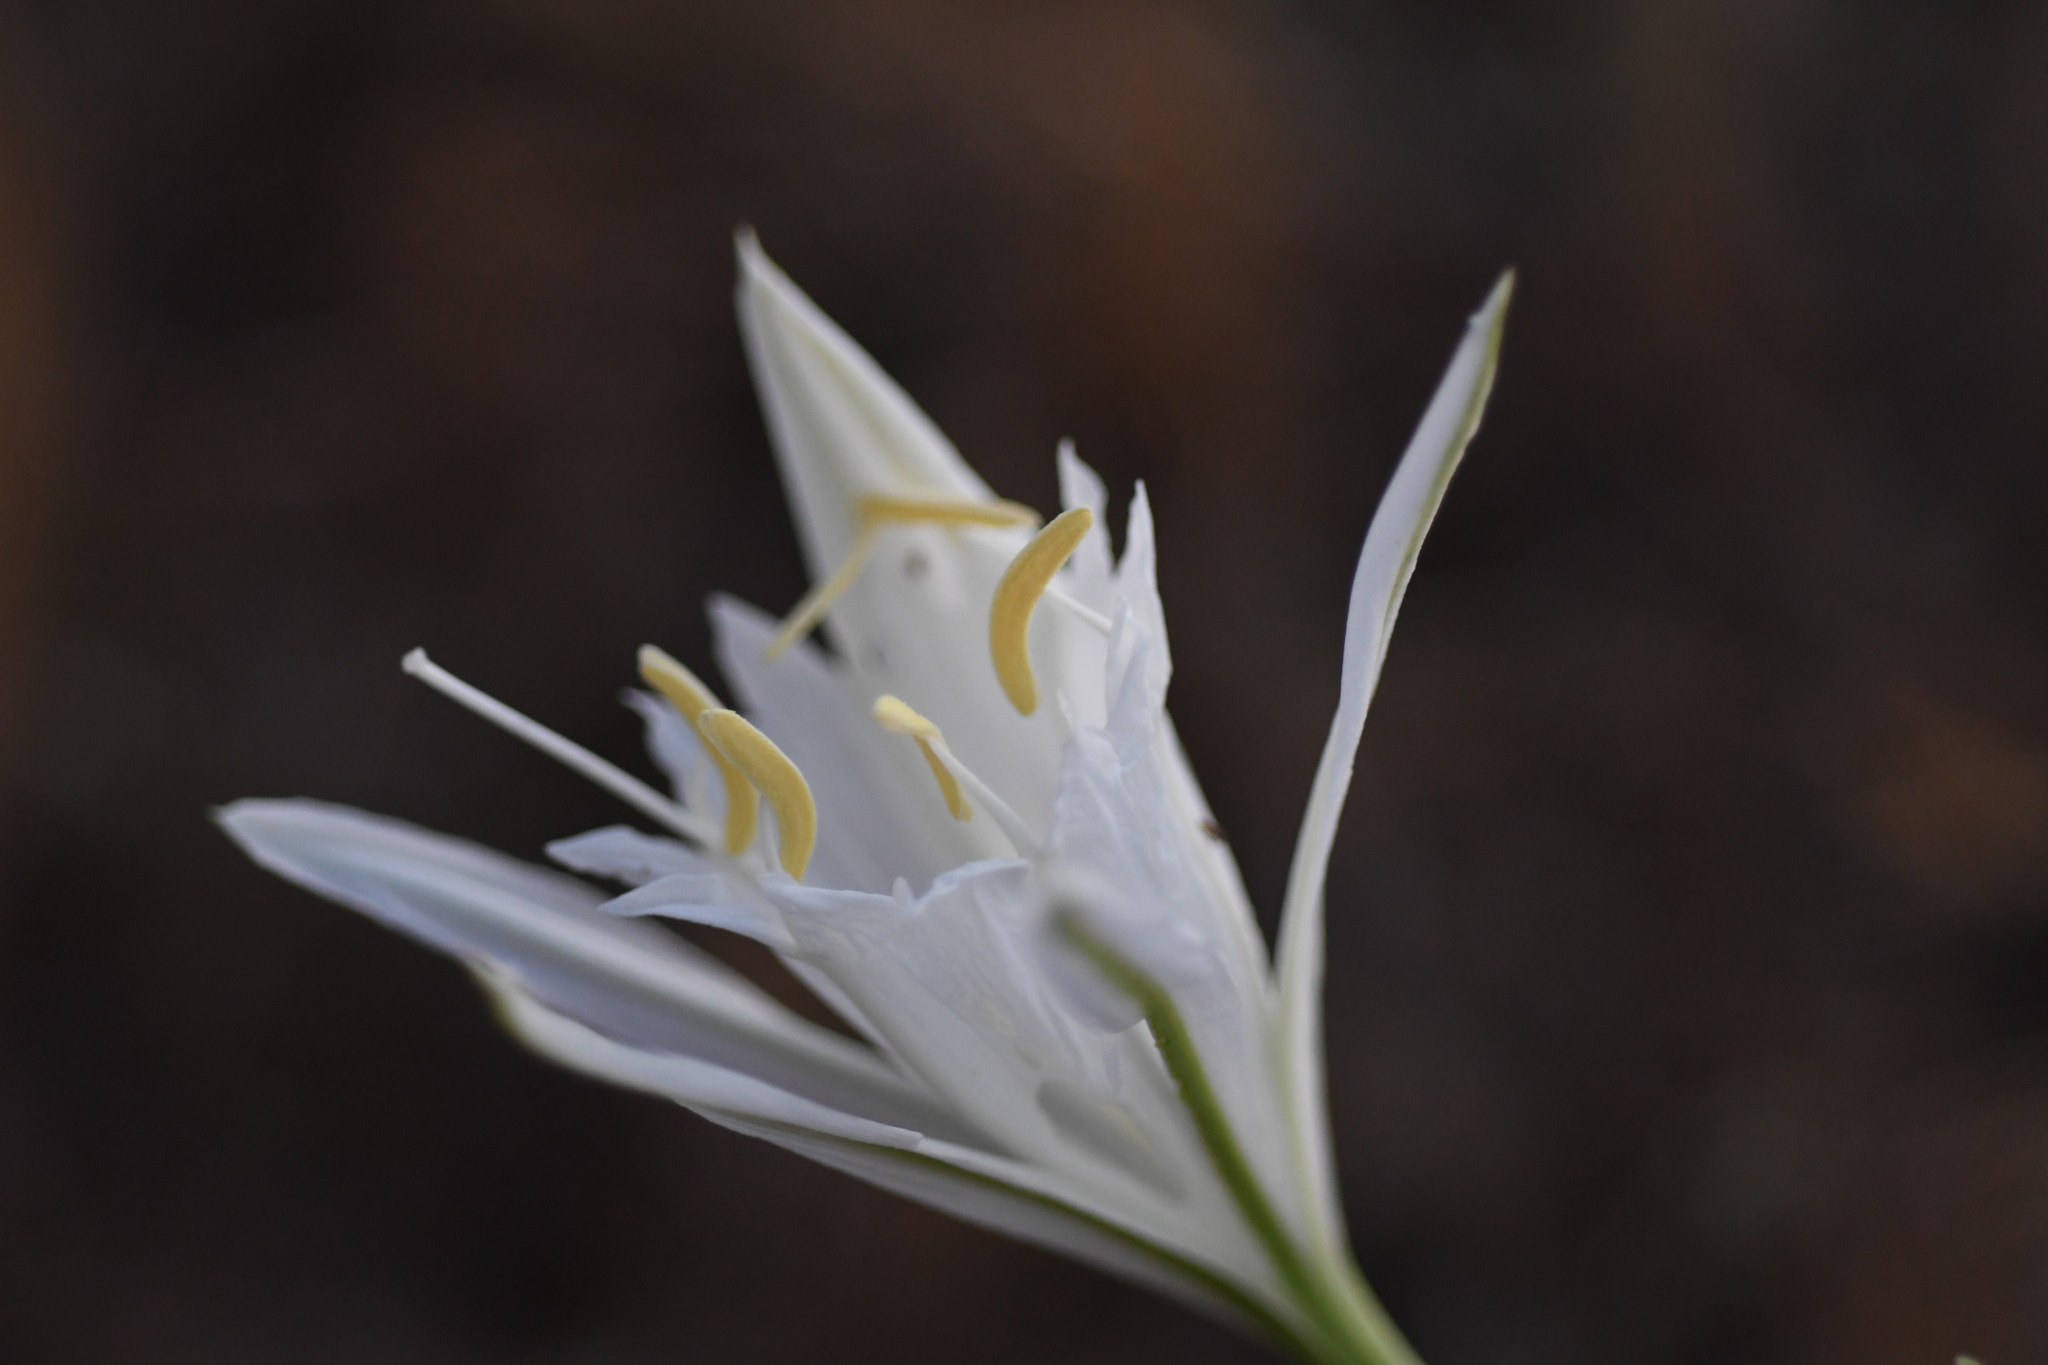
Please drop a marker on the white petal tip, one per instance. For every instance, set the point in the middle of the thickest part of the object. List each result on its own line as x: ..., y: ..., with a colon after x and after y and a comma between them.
x: 748, y: 252
x: 276, y: 831
x: 758, y: 271
x: 415, y: 662
x: 1490, y: 313
x: 231, y: 817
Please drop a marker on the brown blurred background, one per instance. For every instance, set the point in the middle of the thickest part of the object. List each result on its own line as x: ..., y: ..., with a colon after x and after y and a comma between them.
x: 1689, y: 980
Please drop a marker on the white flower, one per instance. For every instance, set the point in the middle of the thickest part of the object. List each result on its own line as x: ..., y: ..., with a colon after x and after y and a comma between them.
x: 986, y: 852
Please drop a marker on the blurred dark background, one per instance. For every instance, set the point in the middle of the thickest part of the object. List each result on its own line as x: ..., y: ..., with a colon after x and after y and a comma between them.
x: 1689, y: 980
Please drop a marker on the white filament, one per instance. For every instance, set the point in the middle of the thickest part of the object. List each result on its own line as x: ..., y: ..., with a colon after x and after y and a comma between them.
x: 563, y: 750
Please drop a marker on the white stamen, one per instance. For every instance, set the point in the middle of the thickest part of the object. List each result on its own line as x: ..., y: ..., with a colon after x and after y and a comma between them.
x: 565, y: 751
x: 1013, y: 827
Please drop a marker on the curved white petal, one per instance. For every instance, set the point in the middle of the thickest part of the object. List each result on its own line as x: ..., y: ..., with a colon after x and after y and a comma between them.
x: 544, y: 930
x: 1384, y: 566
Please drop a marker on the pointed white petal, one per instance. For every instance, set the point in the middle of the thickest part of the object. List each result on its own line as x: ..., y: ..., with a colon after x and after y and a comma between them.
x: 1384, y: 566
x: 628, y: 981
x: 1137, y: 582
x: 703, y: 896
x: 686, y: 1080
x: 626, y: 855
x: 1090, y: 569
x: 841, y: 427
x: 674, y: 881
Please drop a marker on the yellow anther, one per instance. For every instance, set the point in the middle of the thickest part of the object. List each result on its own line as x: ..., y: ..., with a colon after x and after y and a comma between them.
x: 874, y: 511
x: 1023, y: 583
x: 880, y: 507
x: 774, y: 776
x: 895, y: 716
x: 690, y: 696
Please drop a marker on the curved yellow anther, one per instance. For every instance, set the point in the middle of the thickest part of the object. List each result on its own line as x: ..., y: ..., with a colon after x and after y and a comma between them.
x: 1023, y: 583
x: 874, y: 511
x: 895, y: 716
x: 774, y: 776
x: 690, y: 696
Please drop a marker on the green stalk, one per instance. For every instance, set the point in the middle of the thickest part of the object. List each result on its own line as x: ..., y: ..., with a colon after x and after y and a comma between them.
x: 1353, y: 1329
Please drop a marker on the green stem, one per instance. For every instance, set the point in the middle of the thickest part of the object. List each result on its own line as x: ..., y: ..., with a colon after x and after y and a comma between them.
x: 1352, y: 1327
x: 1368, y: 1318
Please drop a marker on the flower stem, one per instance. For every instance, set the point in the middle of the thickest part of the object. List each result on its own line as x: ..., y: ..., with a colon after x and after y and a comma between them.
x: 1352, y: 1328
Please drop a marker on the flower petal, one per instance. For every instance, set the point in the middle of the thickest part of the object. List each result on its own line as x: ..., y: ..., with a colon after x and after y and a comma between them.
x: 1137, y: 582
x: 544, y: 930
x: 913, y: 623
x: 705, y: 897
x: 841, y: 427
x: 1384, y: 566
x: 988, y: 1190
x: 958, y: 985
x: 686, y: 1080
x: 1090, y: 572
x: 626, y: 855
x: 1132, y: 866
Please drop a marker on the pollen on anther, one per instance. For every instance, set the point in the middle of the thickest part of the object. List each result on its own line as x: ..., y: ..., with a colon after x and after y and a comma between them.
x: 1023, y: 583
x: 779, y: 781
x: 688, y: 694
x: 895, y: 715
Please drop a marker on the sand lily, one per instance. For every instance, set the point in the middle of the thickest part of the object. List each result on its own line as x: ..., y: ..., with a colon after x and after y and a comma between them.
x: 970, y: 829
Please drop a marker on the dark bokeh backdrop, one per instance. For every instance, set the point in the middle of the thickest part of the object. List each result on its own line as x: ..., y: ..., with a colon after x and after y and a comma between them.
x: 1689, y: 979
